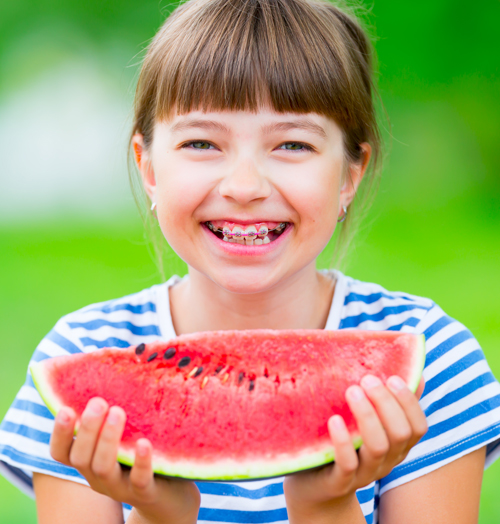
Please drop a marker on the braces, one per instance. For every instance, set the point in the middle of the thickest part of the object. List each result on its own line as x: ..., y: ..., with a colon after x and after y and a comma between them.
x: 228, y: 233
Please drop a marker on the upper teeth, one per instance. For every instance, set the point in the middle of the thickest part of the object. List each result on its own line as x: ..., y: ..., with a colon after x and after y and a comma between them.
x: 250, y: 232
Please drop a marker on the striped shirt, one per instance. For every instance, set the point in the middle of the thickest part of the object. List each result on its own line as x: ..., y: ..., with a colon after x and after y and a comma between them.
x: 461, y: 398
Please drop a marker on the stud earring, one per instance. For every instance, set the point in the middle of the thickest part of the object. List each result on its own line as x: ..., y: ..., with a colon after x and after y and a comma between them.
x: 343, y: 216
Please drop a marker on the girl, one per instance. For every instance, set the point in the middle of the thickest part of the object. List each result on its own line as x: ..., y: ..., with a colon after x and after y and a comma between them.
x: 254, y: 128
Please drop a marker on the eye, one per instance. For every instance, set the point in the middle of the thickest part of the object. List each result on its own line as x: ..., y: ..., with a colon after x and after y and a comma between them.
x: 295, y: 146
x: 200, y: 145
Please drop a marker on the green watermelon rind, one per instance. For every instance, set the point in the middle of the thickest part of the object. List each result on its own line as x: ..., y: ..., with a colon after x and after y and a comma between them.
x: 231, y: 469
x: 240, y: 470
x: 38, y: 375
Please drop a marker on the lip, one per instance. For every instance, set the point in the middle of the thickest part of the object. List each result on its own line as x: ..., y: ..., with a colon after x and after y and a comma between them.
x: 245, y: 222
x: 239, y: 250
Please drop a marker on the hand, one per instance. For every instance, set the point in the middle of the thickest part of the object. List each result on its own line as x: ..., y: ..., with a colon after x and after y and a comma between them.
x: 94, y: 451
x: 390, y: 422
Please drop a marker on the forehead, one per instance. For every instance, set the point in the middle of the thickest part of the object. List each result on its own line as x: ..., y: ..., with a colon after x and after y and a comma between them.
x: 263, y: 121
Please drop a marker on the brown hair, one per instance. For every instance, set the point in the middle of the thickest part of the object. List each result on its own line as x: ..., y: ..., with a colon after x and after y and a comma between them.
x: 293, y: 55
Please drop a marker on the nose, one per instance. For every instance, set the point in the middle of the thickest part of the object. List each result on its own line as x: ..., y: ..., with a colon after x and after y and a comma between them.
x: 245, y: 182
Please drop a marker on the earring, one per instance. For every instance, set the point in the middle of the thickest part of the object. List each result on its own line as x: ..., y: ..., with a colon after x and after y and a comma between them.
x: 153, y: 206
x: 344, y: 215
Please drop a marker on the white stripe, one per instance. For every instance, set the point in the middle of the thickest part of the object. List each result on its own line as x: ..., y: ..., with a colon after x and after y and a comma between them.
x: 466, y: 376
x: 18, y: 416
x: 31, y: 394
x: 450, y: 357
x: 241, y: 503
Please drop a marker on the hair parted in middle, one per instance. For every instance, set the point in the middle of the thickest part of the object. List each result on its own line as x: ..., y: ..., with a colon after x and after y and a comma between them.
x: 300, y: 56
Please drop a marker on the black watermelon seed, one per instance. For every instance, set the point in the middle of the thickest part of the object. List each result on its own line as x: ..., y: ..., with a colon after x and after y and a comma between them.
x: 218, y: 369
x: 139, y: 350
x: 169, y: 353
x: 184, y: 361
x: 241, y: 376
x: 199, y: 371
x: 251, y: 387
x: 152, y: 356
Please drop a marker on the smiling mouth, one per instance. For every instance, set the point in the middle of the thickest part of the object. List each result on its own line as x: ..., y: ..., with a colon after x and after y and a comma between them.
x: 251, y: 235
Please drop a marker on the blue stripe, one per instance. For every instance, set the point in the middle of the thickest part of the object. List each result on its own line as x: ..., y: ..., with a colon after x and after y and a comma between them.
x: 450, y: 372
x: 138, y: 309
x: 32, y: 407
x: 374, y: 297
x: 62, y: 342
x: 19, y: 473
x: 38, y: 462
x: 438, y: 326
x: 111, y: 342
x: 99, y: 323
x: 230, y: 515
x: 365, y: 495
x: 39, y: 355
x: 447, y: 345
x: 354, y: 321
x: 369, y: 518
x: 442, y: 454
x: 29, y: 382
x: 412, y: 322
x: 25, y: 431
x: 461, y: 418
x: 460, y: 393
x: 222, y: 489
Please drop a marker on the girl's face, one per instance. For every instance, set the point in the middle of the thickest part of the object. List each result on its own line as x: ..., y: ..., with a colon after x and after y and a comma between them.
x: 221, y: 179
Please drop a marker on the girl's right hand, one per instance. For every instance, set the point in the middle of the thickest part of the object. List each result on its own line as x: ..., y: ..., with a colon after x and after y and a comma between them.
x: 93, y: 454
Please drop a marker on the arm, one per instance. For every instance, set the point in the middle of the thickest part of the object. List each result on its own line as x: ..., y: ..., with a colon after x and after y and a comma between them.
x: 61, y: 501
x: 451, y: 494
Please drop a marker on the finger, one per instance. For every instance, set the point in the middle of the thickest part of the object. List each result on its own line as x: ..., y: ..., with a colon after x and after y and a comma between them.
x: 390, y: 412
x: 104, y: 463
x: 141, y: 474
x: 342, y: 475
x: 409, y: 403
x: 62, y: 435
x: 83, y: 447
x: 375, y: 442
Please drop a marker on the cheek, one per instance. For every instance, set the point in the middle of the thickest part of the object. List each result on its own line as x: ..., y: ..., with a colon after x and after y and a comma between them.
x: 180, y: 191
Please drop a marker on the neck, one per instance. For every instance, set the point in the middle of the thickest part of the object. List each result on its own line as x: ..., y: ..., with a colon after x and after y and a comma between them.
x: 300, y: 302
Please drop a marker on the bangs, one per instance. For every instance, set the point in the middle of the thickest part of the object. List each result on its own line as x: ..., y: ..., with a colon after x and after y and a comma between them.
x: 241, y: 55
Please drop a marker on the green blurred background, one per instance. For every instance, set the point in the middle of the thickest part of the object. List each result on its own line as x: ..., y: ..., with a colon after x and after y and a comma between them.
x: 69, y: 232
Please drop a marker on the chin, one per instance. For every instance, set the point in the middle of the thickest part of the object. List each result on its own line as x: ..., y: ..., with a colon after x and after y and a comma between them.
x: 245, y: 281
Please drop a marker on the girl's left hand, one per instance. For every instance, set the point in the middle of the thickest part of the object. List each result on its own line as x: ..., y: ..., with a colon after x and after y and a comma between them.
x: 390, y: 422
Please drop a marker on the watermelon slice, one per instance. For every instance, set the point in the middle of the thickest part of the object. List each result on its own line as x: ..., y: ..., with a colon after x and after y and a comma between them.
x: 232, y: 404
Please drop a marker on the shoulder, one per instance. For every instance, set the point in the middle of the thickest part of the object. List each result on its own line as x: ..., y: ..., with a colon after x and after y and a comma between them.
x: 370, y: 306
x: 119, y: 322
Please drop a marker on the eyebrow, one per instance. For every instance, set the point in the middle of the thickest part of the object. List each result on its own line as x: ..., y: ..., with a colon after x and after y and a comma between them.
x: 305, y: 124
x: 212, y: 125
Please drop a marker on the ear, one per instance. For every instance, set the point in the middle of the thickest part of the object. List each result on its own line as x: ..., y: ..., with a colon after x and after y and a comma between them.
x: 354, y: 176
x: 144, y: 165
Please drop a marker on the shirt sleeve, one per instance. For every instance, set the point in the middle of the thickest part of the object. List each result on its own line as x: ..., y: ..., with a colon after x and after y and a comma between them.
x: 461, y: 401
x: 25, y: 431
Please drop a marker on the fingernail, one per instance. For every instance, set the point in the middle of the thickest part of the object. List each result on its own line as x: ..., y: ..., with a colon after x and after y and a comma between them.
x: 370, y: 381
x: 63, y: 417
x: 113, y: 417
x: 338, y: 422
x: 142, y: 449
x: 355, y: 393
x: 396, y: 383
x: 95, y: 407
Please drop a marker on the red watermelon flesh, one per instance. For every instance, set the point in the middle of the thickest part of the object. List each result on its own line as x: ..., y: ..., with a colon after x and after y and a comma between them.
x: 232, y: 404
